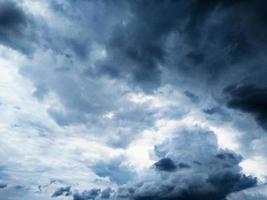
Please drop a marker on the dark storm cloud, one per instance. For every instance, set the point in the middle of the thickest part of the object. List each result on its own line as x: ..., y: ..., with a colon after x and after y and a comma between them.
x: 66, y: 191
x: 188, y: 36
x: 145, y: 45
x: 228, y: 182
x: 165, y: 164
x: 11, y: 16
x: 139, y: 42
x: 14, y: 23
x: 94, y: 193
x: 145, y: 39
x: 87, y: 194
x: 3, y: 185
x: 250, y: 99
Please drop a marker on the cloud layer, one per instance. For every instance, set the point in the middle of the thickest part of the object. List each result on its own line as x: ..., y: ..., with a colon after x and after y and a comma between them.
x: 95, y: 97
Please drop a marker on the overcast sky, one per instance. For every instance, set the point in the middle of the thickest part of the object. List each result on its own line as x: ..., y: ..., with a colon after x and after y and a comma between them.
x: 133, y: 100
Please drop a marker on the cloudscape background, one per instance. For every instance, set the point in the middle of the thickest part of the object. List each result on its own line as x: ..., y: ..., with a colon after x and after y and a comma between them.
x: 133, y: 99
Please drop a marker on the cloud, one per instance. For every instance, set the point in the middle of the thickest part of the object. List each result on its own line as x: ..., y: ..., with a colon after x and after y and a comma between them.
x: 87, y: 194
x: 112, y: 71
x: 94, y: 193
x: 257, y: 193
x: 187, y: 38
x: 117, y: 171
x: 106, y: 193
x: 165, y: 164
x: 189, y: 47
x: 151, y: 47
x: 16, y: 192
x: 250, y: 99
x: 192, y: 167
x: 11, y: 15
x: 62, y: 191
x: 204, y: 171
x: 15, y: 27
x: 3, y: 185
x: 191, y: 96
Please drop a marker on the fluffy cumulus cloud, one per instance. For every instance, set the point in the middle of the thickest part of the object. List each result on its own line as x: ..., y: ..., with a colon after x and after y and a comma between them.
x: 190, y: 166
x: 193, y: 167
x: 133, y: 99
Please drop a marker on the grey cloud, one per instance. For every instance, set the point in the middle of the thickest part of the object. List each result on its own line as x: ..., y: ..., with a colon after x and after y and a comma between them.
x: 139, y: 43
x: 165, y: 164
x: 40, y: 92
x: 257, y: 193
x: 183, y: 165
x: 3, y: 185
x: 218, y: 113
x: 143, y: 50
x: 94, y: 193
x: 106, y: 193
x: 250, y: 99
x: 15, y: 192
x: 191, y: 96
x: 177, y: 38
x: 66, y: 191
x: 182, y: 36
x: 90, y: 59
x: 213, y: 173
x: 87, y: 194
x: 213, y: 110
x: 115, y: 170
x: 15, y: 27
x: 88, y: 100
x: 193, y: 168
x: 3, y: 172
x: 11, y: 15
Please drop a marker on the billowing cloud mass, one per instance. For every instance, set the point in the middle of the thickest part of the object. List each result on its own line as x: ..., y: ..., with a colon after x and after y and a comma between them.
x: 133, y: 99
x: 202, y: 171
x: 192, y: 167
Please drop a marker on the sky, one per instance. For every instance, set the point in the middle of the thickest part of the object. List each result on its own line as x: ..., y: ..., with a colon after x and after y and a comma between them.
x: 133, y: 100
